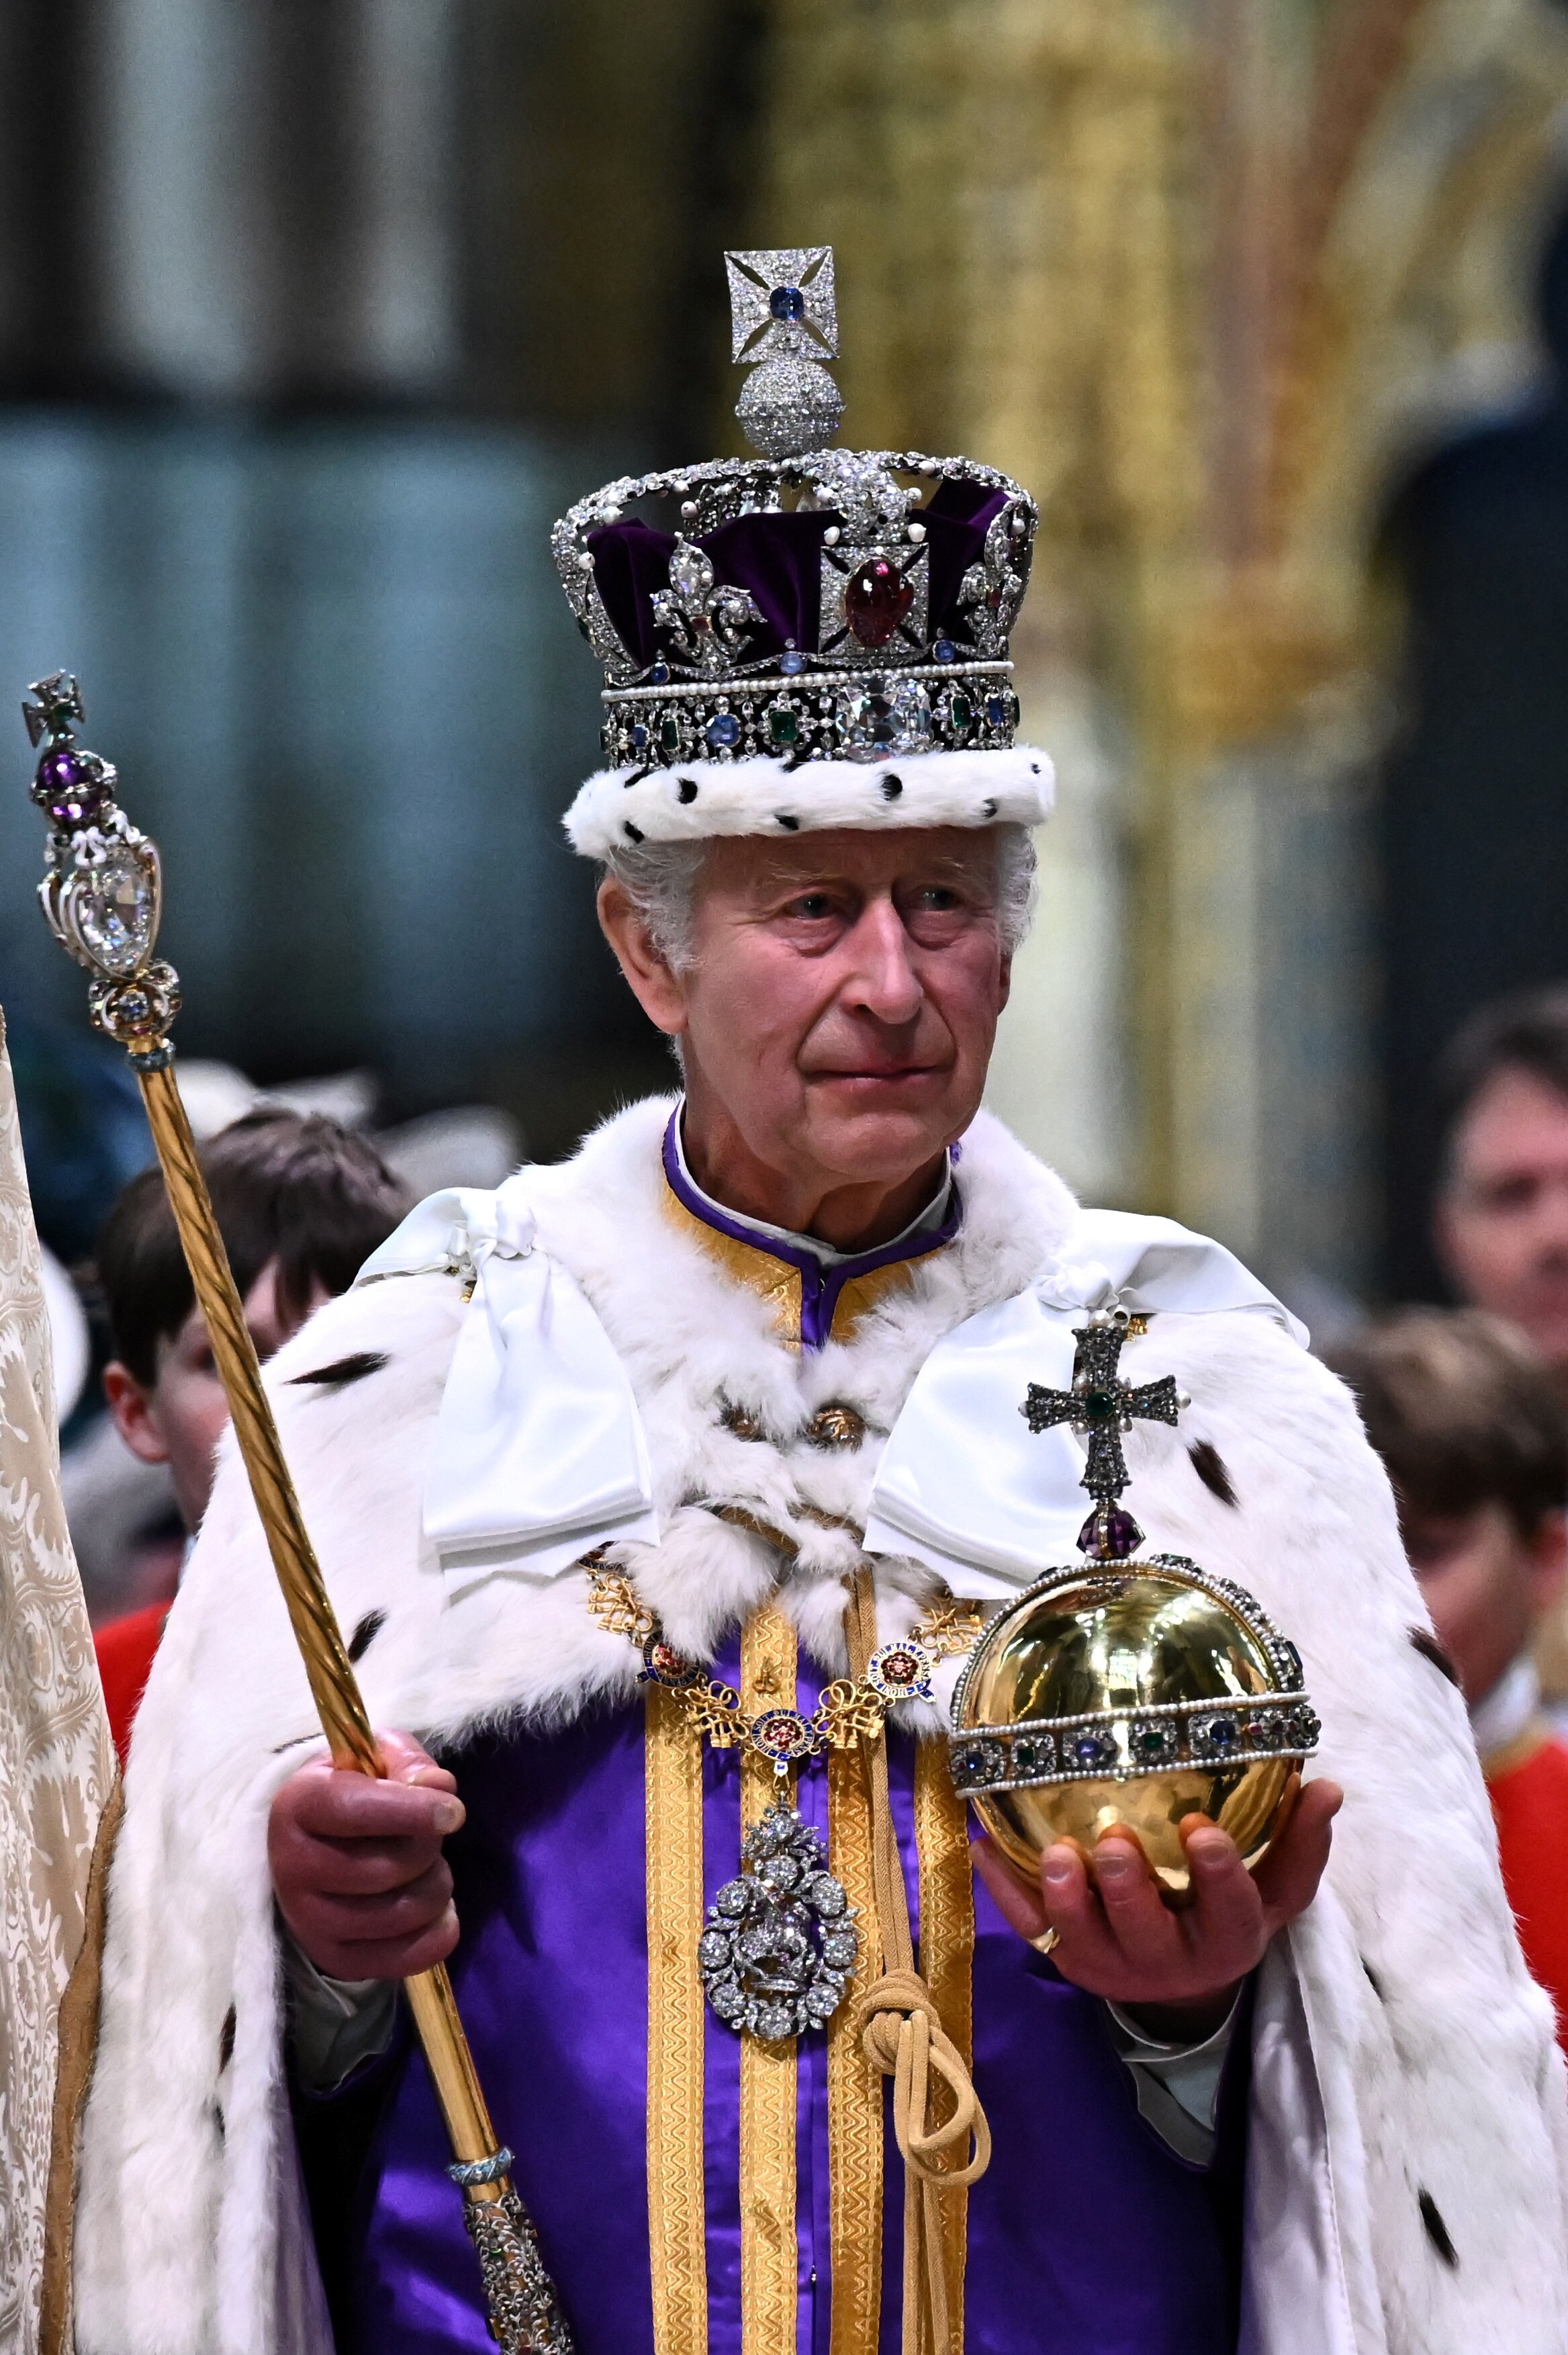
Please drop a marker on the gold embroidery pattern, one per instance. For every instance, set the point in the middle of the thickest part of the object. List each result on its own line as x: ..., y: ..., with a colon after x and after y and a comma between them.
x: 778, y: 1284
x: 947, y: 1960
x: 769, y: 2260
x: 772, y: 1280
x: 677, y: 2216
x: 854, y: 2086
x: 861, y: 1294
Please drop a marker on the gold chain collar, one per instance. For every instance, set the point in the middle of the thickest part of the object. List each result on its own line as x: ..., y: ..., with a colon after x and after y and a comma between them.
x: 851, y: 1710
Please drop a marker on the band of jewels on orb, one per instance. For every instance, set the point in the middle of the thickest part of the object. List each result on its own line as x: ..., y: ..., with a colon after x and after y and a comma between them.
x: 1114, y: 1746
x: 814, y: 716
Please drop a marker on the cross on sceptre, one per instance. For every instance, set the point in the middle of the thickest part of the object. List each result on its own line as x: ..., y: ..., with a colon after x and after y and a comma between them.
x: 1100, y: 1406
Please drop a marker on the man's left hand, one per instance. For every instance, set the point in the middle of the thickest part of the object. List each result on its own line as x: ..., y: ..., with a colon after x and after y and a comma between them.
x: 1176, y: 1969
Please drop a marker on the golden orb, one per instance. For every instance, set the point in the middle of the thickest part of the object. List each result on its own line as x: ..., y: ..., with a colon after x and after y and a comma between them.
x: 1129, y: 1695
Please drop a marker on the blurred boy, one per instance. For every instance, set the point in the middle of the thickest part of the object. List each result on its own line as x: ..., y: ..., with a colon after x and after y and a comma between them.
x: 302, y: 1203
x: 1472, y: 1428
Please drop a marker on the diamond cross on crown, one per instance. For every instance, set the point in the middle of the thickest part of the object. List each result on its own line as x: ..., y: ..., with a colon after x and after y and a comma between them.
x: 783, y: 302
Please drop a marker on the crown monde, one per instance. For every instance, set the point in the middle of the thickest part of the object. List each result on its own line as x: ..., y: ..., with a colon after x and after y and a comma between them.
x: 813, y: 603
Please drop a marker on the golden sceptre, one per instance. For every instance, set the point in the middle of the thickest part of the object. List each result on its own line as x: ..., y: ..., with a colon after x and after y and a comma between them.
x: 102, y: 895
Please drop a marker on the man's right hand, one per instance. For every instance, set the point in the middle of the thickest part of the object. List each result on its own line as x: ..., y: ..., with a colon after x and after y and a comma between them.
x: 357, y: 1864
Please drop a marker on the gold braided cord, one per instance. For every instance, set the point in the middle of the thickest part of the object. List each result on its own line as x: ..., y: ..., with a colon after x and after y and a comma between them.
x: 677, y: 2223
x: 940, y: 2128
x: 854, y: 2085
x: 769, y: 2258
x: 947, y: 1964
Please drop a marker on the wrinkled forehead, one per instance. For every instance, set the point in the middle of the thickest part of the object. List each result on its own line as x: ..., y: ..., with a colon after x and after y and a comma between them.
x: 757, y: 866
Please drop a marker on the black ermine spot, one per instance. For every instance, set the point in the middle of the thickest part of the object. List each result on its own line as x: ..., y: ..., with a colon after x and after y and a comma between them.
x: 790, y: 824
x: 1373, y: 1981
x: 687, y: 788
x: 1426, y: 1644
x: 1436, y: 2230
x: 344, y: 1370
x: 891, y: 788
x: 226, y: 2040
x: 364, y: 1635
x: 1209, y: 1466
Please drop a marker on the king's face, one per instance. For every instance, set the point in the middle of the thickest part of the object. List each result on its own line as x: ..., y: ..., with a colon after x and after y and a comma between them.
x: 842, y: 1004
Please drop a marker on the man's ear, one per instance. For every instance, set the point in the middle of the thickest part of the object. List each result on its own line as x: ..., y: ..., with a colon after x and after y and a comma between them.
x: 134, y: 1413
x: 656, y: 989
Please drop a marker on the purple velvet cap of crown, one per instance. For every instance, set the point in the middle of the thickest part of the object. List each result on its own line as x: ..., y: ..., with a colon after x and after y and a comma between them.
x: 779, y: 557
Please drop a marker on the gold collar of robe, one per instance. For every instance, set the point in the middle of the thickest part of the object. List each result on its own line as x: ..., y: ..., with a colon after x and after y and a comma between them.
x: 754, y: 1267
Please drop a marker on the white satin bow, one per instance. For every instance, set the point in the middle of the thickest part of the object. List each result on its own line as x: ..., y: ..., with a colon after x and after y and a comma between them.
x: 964, y: 1486
x: 539, y: 1451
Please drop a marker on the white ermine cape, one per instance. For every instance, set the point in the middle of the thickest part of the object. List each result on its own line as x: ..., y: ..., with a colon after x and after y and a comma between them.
x: 1406, y: 2152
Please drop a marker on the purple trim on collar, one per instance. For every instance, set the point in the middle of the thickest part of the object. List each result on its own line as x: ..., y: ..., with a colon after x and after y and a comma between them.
x: 820, y: 1285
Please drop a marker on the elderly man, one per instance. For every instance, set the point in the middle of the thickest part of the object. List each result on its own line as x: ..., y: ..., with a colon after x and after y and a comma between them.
x: 645, y: 1488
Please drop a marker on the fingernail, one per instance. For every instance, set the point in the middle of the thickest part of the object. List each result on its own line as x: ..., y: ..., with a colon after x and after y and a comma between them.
x: 1111, y: 1864
x: 1058, y: 1870
x: 447, y: 1815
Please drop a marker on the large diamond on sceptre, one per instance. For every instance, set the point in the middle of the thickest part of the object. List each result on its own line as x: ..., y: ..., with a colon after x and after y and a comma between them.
x: 102, y: 887
x: 784, y: 324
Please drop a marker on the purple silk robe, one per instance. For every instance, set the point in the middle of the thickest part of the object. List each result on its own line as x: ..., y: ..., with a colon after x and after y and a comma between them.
x: 1087, y: 2236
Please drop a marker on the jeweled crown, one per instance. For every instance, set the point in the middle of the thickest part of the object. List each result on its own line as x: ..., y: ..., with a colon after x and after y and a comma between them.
x: 813, y: 603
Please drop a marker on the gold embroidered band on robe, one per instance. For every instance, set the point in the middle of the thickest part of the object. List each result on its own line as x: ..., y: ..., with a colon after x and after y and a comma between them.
x: 677, y: 2212
x: 756, y: 1271
x: 855, y: 2082
x: 769, y: 2256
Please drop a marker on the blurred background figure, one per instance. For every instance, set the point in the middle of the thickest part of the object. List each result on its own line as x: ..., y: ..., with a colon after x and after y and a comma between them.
x: 302, y: 1202
x: 128, y: 1526
x: 1473, y: 1428
x: 1502, y: 1202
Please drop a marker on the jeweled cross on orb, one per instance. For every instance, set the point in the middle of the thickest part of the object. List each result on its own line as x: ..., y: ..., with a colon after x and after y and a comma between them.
x: 1101, y: 1407
x: 58, y: 703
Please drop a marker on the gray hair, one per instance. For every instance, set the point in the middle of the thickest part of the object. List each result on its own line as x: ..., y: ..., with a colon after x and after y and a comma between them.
x: 660, y: 878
